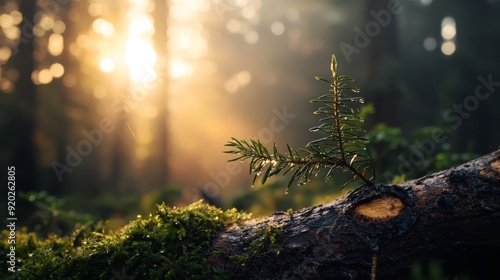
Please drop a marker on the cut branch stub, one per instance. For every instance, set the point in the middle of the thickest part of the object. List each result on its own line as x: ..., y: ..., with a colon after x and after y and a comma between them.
x: 382, y: 209
x: 388, y: 211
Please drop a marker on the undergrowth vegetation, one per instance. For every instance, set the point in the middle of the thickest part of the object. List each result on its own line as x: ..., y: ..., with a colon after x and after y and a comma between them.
x: 172, y: 243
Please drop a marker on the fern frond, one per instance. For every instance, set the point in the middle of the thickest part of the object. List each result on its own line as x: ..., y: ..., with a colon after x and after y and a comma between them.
x: 341, y: 149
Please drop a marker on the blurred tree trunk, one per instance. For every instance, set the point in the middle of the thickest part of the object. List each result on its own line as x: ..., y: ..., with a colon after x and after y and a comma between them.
x: 452, y: 215
x: 120, y: 174
x: 383, y: 49
x: 160, y: 38
x: 24, y: 120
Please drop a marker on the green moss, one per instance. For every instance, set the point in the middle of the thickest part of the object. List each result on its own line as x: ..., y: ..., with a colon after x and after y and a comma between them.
x: 260, y: 247
x: 171, y: 244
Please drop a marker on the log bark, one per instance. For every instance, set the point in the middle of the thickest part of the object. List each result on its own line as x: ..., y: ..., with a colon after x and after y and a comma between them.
x: 452, y: 214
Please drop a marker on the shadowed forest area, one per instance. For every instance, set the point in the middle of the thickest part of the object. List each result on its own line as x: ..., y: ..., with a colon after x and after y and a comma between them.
x: 108, y: 108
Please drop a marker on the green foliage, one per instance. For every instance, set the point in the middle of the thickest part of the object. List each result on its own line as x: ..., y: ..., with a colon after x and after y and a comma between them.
x: 340, y: 149
x: 404, y: 157
x: 171, y: 244
x: 51, y: 217
x: 437, y: 270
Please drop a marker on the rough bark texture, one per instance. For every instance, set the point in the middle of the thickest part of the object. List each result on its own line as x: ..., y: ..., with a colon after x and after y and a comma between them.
x: 450, y: 214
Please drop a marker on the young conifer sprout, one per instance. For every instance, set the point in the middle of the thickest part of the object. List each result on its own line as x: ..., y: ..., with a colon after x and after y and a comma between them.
x: 341, y: 146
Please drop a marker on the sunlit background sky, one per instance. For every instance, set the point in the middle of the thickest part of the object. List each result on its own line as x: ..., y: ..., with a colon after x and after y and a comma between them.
x: 174, y: 80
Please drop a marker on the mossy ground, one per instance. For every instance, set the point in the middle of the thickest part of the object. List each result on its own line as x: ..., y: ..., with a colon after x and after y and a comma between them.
x: 173, y: 243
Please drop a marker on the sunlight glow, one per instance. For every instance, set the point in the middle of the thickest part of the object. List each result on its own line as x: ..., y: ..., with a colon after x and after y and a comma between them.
x: 96, y: 9
x: 140, y: 55
x: 186, y: 36
x: 180, y: 68
x: 99, y: 92
x: 141, y: 58
x: 246, y: 23
x: 107, y: 65
x: 188, y: 10
x: 103, y: 27
x: 141, y: 24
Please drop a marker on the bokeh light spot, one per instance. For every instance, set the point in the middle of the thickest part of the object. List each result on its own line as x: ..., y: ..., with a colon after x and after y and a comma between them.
x: 56, y: 44
x: 57, y: 70
x: 59, y: 27
x: 5, y: 53
x: 107, y: 65
x: 103, y: 27
x: 277, y: 28
x: 252, y: 37
x: 430, y: 44
x: 448, y: 48
x: 44, y: 76
x: 448, y: 28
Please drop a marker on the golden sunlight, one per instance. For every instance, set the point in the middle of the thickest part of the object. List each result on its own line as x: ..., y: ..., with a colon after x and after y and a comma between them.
x: 186, y: 36
x: 140, y: 55
x: 107, y: 65
x: 141, y: 58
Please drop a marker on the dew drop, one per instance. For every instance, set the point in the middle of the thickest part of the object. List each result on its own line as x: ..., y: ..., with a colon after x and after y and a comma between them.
x: 361, y: 100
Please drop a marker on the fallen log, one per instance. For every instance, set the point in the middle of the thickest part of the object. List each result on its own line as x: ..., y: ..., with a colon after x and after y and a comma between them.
x: 373, y: 231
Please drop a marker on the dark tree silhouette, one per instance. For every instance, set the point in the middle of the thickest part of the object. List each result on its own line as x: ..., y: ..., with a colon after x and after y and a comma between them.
x: 23, y: 123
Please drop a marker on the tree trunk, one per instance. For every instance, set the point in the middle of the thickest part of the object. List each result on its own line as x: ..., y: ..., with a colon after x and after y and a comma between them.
x: 160, y: 37
x: 24, y: 124
x: 452, y: 214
